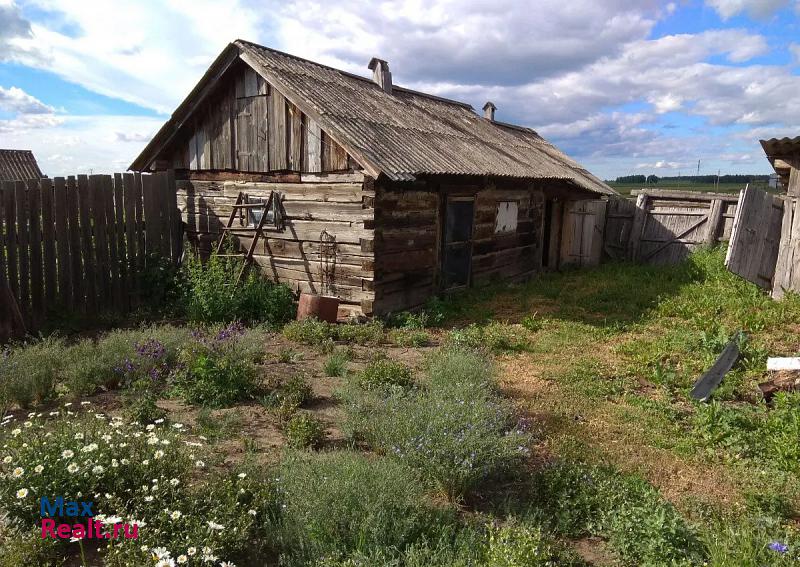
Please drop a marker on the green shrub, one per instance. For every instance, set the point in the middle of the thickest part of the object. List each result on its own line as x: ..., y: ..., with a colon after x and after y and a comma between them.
x: 220, y: 370
x: 496, y: 337
x: 371, y: 333
x: 212, y: 294
x: 289, y: 356
x: 336, y: 364
x: 385, y: 374
x: 29, y: 372
x: 139, y: 402
x: 341, y: 503
x: 409, y: 337
x: 640, y: 525
x: 304, y: 431
x: 309, y: 331
x: 294, y: 391
x: 458, y: 433
x: 518, y: 545
x: 532, y: 323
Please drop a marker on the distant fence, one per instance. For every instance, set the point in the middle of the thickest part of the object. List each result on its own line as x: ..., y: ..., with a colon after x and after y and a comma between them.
x: 79, y: 243
x: 664, y: 226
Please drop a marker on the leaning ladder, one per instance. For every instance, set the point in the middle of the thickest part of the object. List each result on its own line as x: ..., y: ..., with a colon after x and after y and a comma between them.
x: 240, y: 209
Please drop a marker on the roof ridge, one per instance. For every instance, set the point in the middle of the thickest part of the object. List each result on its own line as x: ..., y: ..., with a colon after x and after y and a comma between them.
x: 354, y: 76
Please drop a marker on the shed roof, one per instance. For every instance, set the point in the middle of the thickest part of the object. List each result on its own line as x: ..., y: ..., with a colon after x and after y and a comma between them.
x: 403, y: 134
x: 783, y: 153
x: 18, y: 165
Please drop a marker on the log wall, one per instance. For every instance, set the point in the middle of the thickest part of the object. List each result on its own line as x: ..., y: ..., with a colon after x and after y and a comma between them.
x: 340, y: 204
x: 408, y: 221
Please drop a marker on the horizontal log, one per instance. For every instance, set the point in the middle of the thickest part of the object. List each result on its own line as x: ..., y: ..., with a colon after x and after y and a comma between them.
x: 227, y: 175
x: 405, y: 260
x: 352, y: 177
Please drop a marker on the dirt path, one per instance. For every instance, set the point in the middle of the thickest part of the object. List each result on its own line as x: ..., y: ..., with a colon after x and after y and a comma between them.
x: 611, y: 430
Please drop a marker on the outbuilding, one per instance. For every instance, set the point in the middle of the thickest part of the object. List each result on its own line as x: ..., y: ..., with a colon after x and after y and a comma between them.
x: 386, y: 196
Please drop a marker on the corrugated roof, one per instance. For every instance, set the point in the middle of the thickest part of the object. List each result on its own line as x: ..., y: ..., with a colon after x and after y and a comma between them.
x: 18, y: 165
x: 403, y: 134
x: 777, y: 147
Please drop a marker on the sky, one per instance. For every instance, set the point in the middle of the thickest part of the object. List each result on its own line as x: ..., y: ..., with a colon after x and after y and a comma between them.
x: 623, y: 86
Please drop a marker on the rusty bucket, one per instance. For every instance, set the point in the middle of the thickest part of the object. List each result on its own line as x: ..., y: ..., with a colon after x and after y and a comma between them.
x: 322, y: 307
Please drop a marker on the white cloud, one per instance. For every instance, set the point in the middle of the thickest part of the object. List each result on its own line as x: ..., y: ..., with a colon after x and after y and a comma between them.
x: 83, y: 144
x: 146, y: 52
x: 18, y: 101
x: 759, y: 9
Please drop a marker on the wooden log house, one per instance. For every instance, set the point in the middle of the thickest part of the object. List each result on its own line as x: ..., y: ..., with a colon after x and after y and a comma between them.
x: 422, y: 194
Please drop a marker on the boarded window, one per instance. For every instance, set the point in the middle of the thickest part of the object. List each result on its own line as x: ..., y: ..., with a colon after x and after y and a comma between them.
x: 506, y: 220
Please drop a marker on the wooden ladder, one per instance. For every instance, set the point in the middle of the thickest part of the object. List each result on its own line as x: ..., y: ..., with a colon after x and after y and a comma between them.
x: 240, y: 209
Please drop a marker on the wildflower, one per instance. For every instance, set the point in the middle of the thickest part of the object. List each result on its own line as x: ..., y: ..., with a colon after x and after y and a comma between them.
x: 227, y: 564
x: 22, y: 493
x: 150, y: 427
x: 182, y: 559
x: 90, y: 448
x: 242, y: 475
x: 8, y: 459
x: 779, y: 547
x: 176, y: 515
x: 73, y: 468
x: 174, y: 482
x: 16, y: 432
x: 68, y: 454
x: 114, y: 463
x: 199, y: 464
x: 98, y: 469
x: 124, y: 461
x: 158, y: 454
x: 38, y: 468
x: 252, y: 512
x: 153, y: 441
x: 160, y: 553
x: 106, y: 438
x: 27, y: 424
x: 159, y: 421
x: 177, y: 425
x: 191, y: 551
x: 148, y: 498
x: 215, y: 526
x: 18, y: 472
x: 85, y: 403
x: 79, y: 436
x: 75, y: 539
x: 166, y: 563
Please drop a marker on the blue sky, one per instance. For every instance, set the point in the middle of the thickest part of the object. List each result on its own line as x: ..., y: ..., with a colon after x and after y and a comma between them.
x: 623, y: 86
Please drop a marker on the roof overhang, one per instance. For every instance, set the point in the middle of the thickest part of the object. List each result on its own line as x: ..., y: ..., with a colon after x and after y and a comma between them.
x: 783, y: 154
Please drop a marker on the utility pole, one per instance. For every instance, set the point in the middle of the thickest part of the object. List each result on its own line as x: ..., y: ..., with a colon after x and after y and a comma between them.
x: 698, y: 168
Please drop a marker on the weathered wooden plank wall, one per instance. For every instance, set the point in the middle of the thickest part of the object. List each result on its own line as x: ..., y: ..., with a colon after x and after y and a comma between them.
x: 249, y: 126
x: 341, y: 204
x: 664, y: 226
x: 75, y: 246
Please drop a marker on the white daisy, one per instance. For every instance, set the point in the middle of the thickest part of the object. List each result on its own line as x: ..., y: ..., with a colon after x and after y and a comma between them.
x: 182, y: 559
x: 191, y: 551
x: 98, y: 469
x: 73, y: 468
x: 176, y: 515
x: 252, y: 512
x: 79, y: 435
x: 22, y: 493
x: 8, y: 460
x: 174, y: 482
x: 16, y: 432
x: 18, y: 472
x: 68, y: 454
x: 215, y: 526
x: 158, y: 454
x: 199, y: 464
x: 38, y: 468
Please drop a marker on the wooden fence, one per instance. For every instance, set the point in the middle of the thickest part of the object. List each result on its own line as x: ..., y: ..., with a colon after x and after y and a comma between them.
x: 664, y: 226
x: 79, y: 243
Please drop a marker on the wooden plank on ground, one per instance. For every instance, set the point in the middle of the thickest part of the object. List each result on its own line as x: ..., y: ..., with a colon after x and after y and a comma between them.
x: 23, y: 250
x: 88, y: 292
x: 63, y: 260
x: 35, y: 247
x: 49, y: 244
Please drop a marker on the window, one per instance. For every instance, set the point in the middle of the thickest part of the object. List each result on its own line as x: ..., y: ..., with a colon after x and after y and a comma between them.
x: 506, y: 220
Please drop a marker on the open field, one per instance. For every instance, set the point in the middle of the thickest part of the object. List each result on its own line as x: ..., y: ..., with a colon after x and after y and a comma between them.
x: 538, y: 424
x: 626, y: 188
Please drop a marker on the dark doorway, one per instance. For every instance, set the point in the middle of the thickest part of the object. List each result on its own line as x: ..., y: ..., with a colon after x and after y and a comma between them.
x: 457, y: 242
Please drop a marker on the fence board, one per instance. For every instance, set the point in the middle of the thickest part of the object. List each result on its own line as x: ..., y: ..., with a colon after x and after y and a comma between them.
x: 35, y: 247
x: 74, y: 231
x: 80, y: 243
x: 10, y: 208
x: 49, y: 243
x: 89, y: 287
x: 131, y: 234
x: 23, y: 249
x: 111, y: 230
x: 119, y: 222
x: 63, y: 261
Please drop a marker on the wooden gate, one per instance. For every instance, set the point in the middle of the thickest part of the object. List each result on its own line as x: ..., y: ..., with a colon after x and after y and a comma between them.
x: 668, y: 225
x: 753, y: 250
x: 582, y: 233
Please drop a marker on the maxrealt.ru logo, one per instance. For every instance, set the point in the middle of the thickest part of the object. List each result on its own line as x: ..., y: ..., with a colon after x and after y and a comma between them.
x: 96, y: 526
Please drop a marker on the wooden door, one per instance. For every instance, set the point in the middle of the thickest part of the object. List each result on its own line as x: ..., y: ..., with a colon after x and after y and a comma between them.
x: 582, y: 233
x: 456, y: 263
x: 755, y: 238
